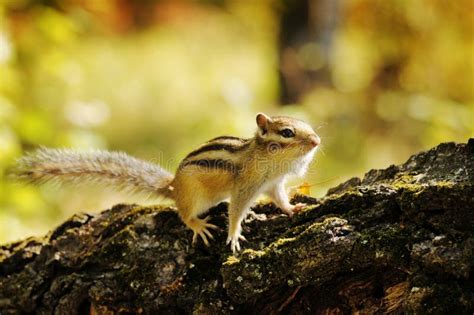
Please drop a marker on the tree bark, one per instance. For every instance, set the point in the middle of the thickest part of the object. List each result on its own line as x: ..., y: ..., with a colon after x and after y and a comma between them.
x: 400, y: 240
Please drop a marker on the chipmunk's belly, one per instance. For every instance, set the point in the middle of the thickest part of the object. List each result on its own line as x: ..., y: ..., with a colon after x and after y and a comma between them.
x: 212, y: 184
x: 197, y: 189
x: 218, y: 184
x: 215, y: 187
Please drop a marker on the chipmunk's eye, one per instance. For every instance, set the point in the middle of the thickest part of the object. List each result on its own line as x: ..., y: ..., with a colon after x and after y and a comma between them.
x: 287, y: 133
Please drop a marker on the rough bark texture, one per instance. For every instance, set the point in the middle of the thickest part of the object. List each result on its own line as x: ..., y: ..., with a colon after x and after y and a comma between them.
x: 399, y: 240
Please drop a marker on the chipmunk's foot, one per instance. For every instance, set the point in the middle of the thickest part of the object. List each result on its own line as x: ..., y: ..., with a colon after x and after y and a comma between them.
x: 292, y: 209
x: 298, y: 207
x: 201, y: 228
x: 234, y: 242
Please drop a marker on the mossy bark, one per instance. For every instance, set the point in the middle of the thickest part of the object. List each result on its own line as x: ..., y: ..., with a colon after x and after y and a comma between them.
x: 400, y: 240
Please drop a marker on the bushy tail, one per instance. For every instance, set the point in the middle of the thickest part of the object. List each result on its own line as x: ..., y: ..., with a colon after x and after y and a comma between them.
x: 115, y: 169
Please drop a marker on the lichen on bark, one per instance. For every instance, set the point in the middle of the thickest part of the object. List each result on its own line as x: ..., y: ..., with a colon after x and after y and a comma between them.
x: 398, y: 240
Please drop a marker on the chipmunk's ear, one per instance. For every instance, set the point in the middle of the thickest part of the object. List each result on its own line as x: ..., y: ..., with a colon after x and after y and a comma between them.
x: 262, y: 122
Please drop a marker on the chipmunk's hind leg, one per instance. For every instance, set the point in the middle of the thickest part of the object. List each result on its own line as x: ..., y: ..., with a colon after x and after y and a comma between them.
x: 189, y: 210
x: 195, y: 196
x: 200, y: 227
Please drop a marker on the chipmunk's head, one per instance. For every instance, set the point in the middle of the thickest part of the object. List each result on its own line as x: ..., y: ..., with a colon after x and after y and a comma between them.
x: 285, y: 135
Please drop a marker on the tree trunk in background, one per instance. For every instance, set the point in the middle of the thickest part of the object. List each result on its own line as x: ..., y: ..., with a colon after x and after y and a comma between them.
x: 398, y: 240
x: 306, y: 29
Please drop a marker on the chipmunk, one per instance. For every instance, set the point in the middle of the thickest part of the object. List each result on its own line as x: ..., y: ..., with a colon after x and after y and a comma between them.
x: 222, y: 168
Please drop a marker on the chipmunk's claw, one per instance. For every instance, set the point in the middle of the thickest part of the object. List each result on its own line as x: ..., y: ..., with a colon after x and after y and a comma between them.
x: 298, y: 207
x: 290, y: 211
x: 234, y: 243
x: 203, y: 236
x: 201, y: 228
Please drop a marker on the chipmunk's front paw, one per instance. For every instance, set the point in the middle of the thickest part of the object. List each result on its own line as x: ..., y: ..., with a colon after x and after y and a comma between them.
x: 292, y: 209
x: 234, y: 242
x: 298, y: 207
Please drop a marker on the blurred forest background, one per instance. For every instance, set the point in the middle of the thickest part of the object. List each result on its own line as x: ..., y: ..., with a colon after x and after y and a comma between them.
x: 379, y: 79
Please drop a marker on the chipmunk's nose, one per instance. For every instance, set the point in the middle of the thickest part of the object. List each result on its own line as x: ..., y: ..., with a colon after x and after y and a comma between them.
x: 315, y: 140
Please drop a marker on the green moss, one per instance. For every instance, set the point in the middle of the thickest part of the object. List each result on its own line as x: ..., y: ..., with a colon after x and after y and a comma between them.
x: 353, y: 191
x: 250, y: 253
x: 388, y: 244
x: 283, y: 241
x: 232, y: 260
x: 407, y: 182
x: 445, y: 184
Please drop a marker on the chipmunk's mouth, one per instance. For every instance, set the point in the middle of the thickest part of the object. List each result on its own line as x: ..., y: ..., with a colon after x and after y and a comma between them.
x: 310, y: 144
x: 306, y: 146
